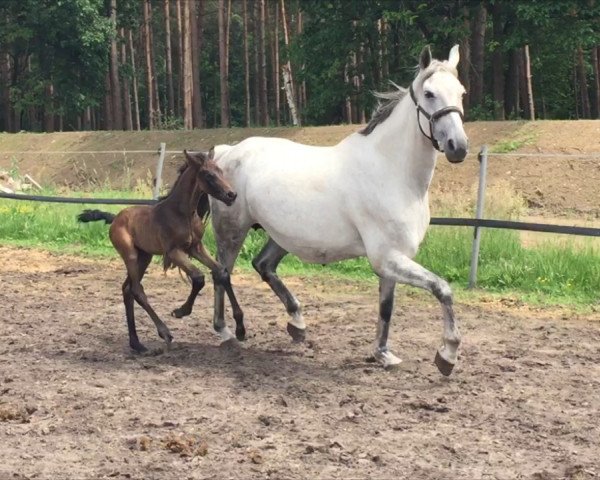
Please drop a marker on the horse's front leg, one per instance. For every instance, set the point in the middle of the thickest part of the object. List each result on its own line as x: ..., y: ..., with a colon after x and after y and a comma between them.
x: 386, y: 304
x: 396, y: 267
x: 222, y: 279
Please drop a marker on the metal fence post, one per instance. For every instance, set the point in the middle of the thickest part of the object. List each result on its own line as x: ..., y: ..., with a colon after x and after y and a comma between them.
x: 482, y: 157
x: 159, y: 169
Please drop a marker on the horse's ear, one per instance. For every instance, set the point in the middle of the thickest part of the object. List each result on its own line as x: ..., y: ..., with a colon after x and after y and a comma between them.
x: 211, y: 153
x: 195, y: 158
x: 454, y: 56
x: 425, y: 57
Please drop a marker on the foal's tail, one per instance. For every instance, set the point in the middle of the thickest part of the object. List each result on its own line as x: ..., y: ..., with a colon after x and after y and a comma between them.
x: 94, y: 216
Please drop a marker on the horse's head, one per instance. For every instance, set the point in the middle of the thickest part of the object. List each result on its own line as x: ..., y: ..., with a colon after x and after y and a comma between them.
x: 437, y: 93
x: 209, y: 176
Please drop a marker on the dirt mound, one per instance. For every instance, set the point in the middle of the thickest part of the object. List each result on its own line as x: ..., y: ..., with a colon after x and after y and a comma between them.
x: 552, y: 185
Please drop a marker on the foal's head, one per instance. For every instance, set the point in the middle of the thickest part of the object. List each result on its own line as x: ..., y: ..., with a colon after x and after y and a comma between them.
x: 209, y: 176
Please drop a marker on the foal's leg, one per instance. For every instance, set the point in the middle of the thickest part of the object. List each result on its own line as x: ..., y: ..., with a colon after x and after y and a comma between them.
x: 128, y: 300
x: 136, y: 267
x: 197, y: 285
x: 396, y: 267
x: 222, y: 279
x: 265, y: 264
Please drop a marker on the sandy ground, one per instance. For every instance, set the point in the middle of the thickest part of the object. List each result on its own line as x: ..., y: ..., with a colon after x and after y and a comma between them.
x: 76, y: 403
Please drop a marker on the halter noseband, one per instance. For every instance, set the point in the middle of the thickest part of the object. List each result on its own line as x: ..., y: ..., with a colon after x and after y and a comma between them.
x: 432, y: 117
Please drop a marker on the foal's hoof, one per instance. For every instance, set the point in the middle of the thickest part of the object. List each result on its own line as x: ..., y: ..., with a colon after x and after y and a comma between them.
x: 386, y: 359
x: 298, y: 334
x: 443, y: 365
x: 181, y: 312
x: 167, y: 337
x: 240, y: 334
x: 138, y: 347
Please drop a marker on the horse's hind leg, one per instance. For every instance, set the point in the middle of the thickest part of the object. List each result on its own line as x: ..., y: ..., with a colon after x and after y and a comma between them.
x: 265, y: 264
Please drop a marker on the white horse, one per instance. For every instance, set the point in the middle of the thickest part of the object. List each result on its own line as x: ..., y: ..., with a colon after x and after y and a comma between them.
x: 365, y: 196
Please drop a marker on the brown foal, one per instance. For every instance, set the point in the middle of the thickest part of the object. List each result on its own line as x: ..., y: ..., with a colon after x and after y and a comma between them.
x: 174, y: 228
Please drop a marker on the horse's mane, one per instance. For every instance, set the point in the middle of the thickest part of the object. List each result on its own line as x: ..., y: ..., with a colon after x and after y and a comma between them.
x: 203, y: 207
x: 393, y: 98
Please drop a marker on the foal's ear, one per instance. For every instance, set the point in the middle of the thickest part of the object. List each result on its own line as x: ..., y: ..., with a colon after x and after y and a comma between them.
x: 425, y: 57
x: 454, y: 56
x: 195, y: 158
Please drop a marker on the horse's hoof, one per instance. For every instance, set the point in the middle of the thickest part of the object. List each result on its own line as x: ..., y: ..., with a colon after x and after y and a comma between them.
x: 386, y: 359
x: 443, y: 365
x: 180, y: 313
x: 166, y: 336
x: 298, y: 334
x: 240, y: 334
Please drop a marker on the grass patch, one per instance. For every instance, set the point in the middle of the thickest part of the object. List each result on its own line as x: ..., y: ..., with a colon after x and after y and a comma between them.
x: 558, y: 274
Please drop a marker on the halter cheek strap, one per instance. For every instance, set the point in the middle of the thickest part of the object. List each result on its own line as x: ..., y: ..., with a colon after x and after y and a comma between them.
x: 432, y: 117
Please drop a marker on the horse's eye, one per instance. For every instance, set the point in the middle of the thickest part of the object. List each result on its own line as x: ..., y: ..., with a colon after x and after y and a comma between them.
x: 429, y: 94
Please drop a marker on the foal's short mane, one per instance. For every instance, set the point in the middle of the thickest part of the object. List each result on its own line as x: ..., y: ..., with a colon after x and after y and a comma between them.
x: 203, y: 208
x: 391, y: 99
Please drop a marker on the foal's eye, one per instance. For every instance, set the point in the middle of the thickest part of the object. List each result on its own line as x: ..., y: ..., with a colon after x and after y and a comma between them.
x: 429, y: 94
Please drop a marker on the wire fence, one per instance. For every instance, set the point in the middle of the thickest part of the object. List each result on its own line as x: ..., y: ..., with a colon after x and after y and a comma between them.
x: 476, y: 223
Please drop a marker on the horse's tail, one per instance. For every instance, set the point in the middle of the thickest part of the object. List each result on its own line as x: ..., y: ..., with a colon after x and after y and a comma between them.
x: 203, y: 208
x: 94, y: 216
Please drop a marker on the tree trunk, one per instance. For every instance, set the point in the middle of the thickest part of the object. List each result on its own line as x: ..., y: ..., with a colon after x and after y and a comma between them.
x: 256, y: 32
x: 464, y: 66
x: 149, y: 73
x: 498, y: 62
x: 115, y: 83
x: 477, y: 55
x: 136, y: 103
x: 187, y: 67
x: 583, y: 88
x: 196, y: 19
x: 288, y: 78
x: 276, y: 85
x: 169, y: 61
x: 107, y: 114
x: 302, y: 93
x: 6, y: 108
x: 246, y: 67
x: 87, y: 119
x: 530, y: 103
x: 48, y: 110
x: 224, y: 80
x: 126, y: 93
x: 512, y: 105
x: 263, y: 66
x: 348, y: 101
x: 596, y: 69
x: 179, y: 43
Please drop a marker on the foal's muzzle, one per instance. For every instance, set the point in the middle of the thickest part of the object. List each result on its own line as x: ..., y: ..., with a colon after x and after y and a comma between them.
x: 230, y: 198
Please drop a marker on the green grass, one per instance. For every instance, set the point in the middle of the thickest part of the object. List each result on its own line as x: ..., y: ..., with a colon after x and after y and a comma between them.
x: 547, y: 274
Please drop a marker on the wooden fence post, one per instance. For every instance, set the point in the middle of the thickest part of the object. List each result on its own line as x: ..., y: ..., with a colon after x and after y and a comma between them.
x: 159, y: 169
x: 478, y: 214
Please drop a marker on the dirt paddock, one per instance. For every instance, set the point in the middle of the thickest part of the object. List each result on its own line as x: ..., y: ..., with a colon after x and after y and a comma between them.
x: 75, y: 403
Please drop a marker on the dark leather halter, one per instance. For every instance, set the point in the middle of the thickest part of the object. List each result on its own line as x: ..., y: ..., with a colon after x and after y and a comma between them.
x: 432, y: 117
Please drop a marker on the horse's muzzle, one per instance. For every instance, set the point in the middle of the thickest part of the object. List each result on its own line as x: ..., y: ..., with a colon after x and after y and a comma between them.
x: 455, y: 151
